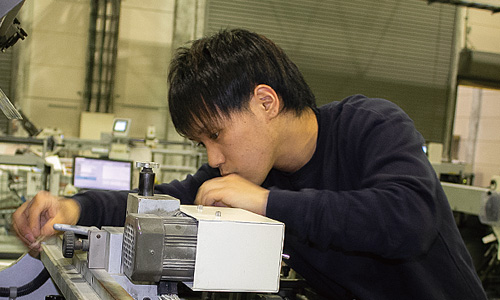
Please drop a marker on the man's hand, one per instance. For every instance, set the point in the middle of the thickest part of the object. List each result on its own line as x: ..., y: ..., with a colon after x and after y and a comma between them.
x: 233, y: 191
x: 36, y: 218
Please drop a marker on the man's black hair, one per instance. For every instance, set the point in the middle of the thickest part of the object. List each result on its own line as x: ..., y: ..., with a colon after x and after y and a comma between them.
x: 217, y: 75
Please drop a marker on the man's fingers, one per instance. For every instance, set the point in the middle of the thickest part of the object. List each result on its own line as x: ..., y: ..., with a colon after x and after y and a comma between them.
x: 23, y: 231
x: 48, y: 228
x: 21, y: 226
x: 220, y: 204
x: 217, y: 190
x: 39, y: 211
x: 33, y: 215
x: 233, y: 191
x: 202, y: 197
x: 213, y: 195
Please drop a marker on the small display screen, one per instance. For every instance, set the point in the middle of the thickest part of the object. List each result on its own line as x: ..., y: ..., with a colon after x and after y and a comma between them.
x: 102, y: 174
x: 120, y: 125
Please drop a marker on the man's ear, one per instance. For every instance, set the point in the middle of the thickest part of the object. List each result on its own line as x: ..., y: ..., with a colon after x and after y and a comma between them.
x: 266, y: 99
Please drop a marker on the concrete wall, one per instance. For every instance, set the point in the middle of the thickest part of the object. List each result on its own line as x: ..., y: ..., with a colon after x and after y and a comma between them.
x: 483, y: 29
x: 144, y: 51
x: 53, y: 63
x: 486, y: 155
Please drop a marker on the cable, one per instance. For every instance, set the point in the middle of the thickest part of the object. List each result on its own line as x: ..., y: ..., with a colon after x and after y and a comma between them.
x: 29, y: 287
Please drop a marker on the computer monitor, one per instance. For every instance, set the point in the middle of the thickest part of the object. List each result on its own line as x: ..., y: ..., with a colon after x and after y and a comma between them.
x: 102, y: 174
x: 121, y: 127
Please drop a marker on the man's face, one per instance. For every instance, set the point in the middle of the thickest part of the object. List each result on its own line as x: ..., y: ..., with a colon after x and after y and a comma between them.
x: 243, y: 145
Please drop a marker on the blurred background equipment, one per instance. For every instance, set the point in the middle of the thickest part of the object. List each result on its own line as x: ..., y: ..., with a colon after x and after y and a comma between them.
x: 10, y: 33
x: 10, y: 30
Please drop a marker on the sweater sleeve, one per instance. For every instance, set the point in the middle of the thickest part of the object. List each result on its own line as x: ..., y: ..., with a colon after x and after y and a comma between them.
x: 392, y: 202
x: 107, y: 208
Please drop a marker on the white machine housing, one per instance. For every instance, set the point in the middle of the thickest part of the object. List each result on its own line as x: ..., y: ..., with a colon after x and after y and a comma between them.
x: 236, y: 250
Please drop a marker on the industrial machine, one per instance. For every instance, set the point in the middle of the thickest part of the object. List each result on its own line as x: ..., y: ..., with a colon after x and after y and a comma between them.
x: 10, y: 33
x: 477, y: 213
x: 208, y: 249
x: 482, y: 202
x: 166, y: 249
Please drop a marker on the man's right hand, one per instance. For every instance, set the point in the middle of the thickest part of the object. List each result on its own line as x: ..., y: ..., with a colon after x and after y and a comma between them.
x: 36, y: 218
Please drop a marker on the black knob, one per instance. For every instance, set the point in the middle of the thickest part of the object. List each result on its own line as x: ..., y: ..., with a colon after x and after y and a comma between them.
x: 146, y: 178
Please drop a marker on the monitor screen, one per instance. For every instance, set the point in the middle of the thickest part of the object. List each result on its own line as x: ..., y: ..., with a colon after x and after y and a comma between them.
x: 121, y: 127
x: 103, y: 174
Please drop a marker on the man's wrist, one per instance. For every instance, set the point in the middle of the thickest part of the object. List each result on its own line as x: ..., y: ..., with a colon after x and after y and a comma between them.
x: 71, y: 210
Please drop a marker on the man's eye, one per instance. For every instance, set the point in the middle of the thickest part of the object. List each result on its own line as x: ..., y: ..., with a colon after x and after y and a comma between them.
x: 214, y: 135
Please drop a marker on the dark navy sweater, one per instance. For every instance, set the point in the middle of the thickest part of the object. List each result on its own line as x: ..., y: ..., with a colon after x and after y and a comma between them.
x: 365, y: 218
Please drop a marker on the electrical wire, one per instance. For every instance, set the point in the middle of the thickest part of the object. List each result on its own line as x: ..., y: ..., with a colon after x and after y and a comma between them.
x: 28, y: 288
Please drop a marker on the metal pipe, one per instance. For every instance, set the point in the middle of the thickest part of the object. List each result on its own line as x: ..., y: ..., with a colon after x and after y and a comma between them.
x: 113, y: 45
x: 101, y: 54
x: 89, y: 78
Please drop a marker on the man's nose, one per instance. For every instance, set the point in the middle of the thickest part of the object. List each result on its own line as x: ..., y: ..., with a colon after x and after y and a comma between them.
x: 215, y: 156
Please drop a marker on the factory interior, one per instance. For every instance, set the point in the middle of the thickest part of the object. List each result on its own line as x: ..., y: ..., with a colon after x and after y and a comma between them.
x: 84, y: 106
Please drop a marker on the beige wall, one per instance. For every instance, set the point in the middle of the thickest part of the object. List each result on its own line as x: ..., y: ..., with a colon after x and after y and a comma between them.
x: 144, y: 51
x: 52, y: 66
x: 53, y: 63
x: 483, y: 29
x: 486, y: 161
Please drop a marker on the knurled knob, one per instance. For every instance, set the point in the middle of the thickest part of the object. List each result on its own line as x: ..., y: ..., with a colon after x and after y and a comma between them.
x: 68, y: 244
x: 144, y: 164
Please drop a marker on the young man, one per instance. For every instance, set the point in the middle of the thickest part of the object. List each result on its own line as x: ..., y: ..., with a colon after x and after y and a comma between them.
x: 365, y: 214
